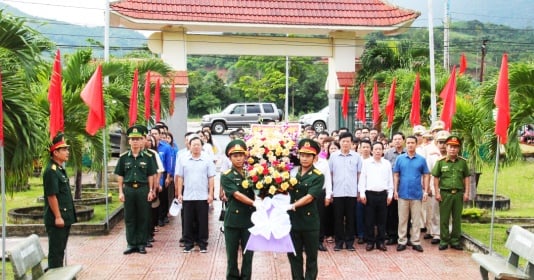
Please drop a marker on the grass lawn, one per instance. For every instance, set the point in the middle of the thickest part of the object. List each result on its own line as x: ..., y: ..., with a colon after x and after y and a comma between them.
x: 517, y: 183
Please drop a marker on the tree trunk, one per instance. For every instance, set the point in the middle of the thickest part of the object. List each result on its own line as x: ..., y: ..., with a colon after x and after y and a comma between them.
x: 78, y: 185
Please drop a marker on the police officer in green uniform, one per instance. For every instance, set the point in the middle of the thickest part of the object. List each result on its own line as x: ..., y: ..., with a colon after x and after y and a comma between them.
x: 451, y: 185
x: 240, y: 207
x: 303, y: 212
x: 135, y: 170
x: 59, y: 213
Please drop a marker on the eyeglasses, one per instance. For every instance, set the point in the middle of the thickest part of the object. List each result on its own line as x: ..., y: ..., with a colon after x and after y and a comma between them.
x: 441, y: 142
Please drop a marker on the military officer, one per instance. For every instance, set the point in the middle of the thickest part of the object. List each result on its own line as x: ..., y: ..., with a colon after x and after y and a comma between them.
x: 135, y: 170
x: 59, y: 213
x: 240, y: 207
x: 303, y: 212
x: 451, y: 185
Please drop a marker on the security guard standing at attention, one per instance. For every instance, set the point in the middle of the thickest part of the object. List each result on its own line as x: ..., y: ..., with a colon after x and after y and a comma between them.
x: 240, y: 207
x: 303, y: 211
x: 135, y: 170
x: 59, y: 213
x: 451, y: 185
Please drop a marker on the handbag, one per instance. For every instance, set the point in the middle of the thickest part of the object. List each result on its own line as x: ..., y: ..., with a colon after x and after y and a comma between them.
x: 223, y: 211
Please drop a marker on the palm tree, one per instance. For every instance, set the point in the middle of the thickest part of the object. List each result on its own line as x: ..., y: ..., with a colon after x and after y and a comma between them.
x: 21, y: 66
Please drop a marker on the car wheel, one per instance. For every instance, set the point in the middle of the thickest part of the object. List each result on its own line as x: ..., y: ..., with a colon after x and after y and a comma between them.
x: 218, y: 127
x: 319, y: 126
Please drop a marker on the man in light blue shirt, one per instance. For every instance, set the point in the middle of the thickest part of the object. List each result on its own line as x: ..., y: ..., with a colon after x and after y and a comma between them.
x: 345, y: 166
x: 410, y: 180
x: 195, y: 175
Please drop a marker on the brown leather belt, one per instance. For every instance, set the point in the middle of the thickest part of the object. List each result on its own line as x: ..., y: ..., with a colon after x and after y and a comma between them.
x: 453, y: 191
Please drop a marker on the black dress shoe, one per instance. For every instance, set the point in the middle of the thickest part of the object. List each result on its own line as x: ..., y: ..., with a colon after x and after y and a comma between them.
x: 401, y: 247
x: 361, y: 240
x: 151, y: 239
x: 142, y: 250
x: 351, y: 248
x: 161, y: 224
x: 443, y: 247
x: 369, y: 247
x: 427, y: 236
x: 457, y: 247
x: 321, y: 247
x: 391, y: 241
x: 149, y: 245
x: 382, y: 247
x: 129, y: 250
x: 338, y: 247
x: 418, y: 248
x: 435, y: 241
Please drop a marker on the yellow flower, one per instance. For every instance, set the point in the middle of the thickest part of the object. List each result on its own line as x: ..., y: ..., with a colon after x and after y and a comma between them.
x: 259, y: 169
x: 282, y: 165
x: 285, y: 175
x: 252, y: 172
x: 276, y: 174
x: 250, y: 160
x: 284, y: 186
x: 293, y: 181
x: 244, y: 184
x: 279, y: 151
x: 271, y: 169
x: 272, y: 190
x: 268, y: 179
x: 259, y: 185
x: 285, y: 152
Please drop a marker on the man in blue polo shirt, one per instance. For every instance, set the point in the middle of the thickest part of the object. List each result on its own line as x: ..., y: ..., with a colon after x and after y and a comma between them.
x: 166, y: 155
x: 410, y: 180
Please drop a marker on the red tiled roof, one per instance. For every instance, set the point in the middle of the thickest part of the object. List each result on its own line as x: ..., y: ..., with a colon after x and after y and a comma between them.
x: 345, y: 79
x: 368, y: 13
x: 180, y: 77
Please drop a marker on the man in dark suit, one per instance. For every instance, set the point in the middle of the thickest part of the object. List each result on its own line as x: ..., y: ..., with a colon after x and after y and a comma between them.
x: 59, y: 213
x: 303, y: 212
x: 240, y: 207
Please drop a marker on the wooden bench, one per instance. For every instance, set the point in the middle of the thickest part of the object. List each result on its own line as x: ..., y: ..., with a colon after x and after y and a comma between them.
x: 27, y: 255
x: 520, y: 242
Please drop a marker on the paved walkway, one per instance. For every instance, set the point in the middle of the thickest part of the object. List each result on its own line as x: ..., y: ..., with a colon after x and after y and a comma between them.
x: 102, y: 258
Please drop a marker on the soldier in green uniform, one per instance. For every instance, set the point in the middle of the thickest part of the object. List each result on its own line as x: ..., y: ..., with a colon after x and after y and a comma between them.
x: 303, y: 212
x: 451, y: 185
x: 135, y: 170
x: 240, y: 207
x: 59, y: 213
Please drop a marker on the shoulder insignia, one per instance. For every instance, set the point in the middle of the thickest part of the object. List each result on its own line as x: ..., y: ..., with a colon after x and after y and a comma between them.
x: 317, y: 171
x: 125, y: 153
x: 442, y: 158
x: 227, y: 171
x: 147, y: 153
x: 462, y: 158
x: 53, y: 167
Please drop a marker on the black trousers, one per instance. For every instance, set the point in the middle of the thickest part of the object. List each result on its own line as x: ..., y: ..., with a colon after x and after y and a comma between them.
x: 375, y: 214
x: 344, y: 220
x: 392, y: 221
x: 195, y: 212
x: 163, y: 200
x: 57, y: 243
x: 322, y: 214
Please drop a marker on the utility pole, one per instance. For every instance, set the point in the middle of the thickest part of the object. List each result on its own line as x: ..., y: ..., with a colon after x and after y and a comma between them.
x: 484, y: 50
x: 446, y: 25
x: 433, y: 106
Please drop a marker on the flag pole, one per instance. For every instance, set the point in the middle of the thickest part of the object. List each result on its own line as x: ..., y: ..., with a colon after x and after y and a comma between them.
x: 104, y: 134
x: 2, y: 176
x: 496, y: 172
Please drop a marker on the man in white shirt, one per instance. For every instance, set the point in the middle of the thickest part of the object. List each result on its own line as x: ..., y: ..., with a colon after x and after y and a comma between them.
x: 376, y: 192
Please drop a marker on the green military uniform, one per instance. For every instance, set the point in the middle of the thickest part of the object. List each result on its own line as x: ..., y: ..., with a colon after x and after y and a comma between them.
x: 136, y: 172
x: 56, y: 182
x: 305, y: 219
x: 451, y: 176
x: 237, y: 218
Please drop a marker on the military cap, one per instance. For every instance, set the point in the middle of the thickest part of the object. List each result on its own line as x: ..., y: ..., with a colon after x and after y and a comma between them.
x: 442, y: 135
x: 308, y: 146
x: 419, y: 130
x: 437, y: 125
x: 453, y: 140
x: 58, y: 142
x: 137, y: 131
x: 236, y: 146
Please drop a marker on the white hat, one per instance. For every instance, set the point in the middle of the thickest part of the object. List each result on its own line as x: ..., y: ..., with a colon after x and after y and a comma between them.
x: 419, y: 129
x: 176, y: 206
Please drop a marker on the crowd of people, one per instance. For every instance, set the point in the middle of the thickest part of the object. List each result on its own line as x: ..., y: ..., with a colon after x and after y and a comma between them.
x: 352, y: 187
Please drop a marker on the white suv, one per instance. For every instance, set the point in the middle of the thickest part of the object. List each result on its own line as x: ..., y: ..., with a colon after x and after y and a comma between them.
x: 317, y: 120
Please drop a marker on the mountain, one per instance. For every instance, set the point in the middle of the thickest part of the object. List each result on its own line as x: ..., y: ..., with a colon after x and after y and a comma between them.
x: 513, y: 13
x: 69, y: 37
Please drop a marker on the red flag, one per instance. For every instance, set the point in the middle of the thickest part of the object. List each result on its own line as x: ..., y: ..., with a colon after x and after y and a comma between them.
x: 173, y: 97
x: 345, y: 103
x: 93, y: 96
x: 463, y: 63
x: 448, y: 94
x: 1, y: 114
x: 415, y: 117
x: 376, y: 104
x: 502, y: 102
x: 157, y: 102
x: 132, y: 112
x: 390, y: 105
x: 360, y: 114
x: 147, y: 96
x: 55, y: 98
